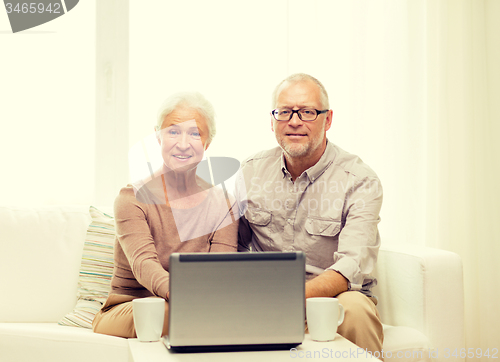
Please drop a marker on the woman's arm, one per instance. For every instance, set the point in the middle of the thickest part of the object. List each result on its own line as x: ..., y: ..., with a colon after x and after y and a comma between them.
x: 225, y: 238
x: 135, y: 239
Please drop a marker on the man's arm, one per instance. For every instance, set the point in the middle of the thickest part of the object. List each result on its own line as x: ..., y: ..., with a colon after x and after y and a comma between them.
x: 328, y: 284
x: 244, y: 230
x: 359, y: 239
x: 244, y: 234
x: 358, y: 244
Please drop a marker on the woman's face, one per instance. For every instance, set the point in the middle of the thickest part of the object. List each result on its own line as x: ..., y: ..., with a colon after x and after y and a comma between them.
x: 183, y: 139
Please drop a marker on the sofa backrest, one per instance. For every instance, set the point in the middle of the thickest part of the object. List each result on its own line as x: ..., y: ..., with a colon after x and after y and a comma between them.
x: 40, y: 254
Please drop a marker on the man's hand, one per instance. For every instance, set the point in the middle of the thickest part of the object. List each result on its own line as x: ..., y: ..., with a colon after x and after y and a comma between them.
x: 328, y: 284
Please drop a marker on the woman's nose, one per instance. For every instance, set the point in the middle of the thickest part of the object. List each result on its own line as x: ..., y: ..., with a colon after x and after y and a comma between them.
x: 183, y: 141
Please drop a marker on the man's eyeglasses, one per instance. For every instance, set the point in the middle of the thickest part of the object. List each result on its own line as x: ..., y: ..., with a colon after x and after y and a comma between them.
x: 305, y: 114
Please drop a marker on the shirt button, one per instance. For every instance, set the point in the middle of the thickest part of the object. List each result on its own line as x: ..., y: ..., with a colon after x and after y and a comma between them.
x: 290, y: 221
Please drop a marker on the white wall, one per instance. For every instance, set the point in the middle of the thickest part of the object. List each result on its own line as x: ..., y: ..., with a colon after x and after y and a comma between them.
x: 47, y: 110
x: 233, y: 53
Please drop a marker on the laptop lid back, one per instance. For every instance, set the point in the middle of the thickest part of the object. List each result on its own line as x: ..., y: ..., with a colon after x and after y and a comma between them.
x: 236, y: 299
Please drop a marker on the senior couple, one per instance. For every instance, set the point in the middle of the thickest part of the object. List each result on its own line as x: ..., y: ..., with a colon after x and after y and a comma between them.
x: 305, y: 195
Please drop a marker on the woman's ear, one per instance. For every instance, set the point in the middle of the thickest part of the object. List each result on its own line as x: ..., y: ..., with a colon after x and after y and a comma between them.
x: 157, y: 134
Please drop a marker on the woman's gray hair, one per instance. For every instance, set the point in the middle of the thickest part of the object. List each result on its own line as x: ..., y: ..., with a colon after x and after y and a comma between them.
x: 191, y: 100
x: 301, y: 77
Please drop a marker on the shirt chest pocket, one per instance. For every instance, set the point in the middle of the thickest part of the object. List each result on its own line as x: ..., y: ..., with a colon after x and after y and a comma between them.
x: 258, y: 217
x: 322, y: 227
x: 322, y: 241
x: 261, y: 222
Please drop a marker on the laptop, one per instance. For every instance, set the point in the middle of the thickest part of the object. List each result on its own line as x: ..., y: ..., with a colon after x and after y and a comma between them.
x: 236, y: 301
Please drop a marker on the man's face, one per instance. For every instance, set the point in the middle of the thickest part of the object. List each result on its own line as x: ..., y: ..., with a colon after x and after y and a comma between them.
x: 297, y: 138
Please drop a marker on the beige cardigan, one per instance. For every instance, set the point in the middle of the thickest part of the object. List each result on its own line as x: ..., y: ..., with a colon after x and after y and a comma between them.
x: 148, y: 231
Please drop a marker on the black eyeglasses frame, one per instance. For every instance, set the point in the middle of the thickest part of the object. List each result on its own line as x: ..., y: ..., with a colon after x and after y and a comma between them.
x: 318, y: 112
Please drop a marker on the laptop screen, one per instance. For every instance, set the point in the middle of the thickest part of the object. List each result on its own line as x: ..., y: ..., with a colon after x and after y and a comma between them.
x: 237, y: 299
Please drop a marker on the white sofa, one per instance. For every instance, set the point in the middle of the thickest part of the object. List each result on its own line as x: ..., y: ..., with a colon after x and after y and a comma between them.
x: 420, y: 293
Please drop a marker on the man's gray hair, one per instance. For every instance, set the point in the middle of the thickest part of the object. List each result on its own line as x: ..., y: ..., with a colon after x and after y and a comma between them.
x: 191, y: 100
x: 302, y: 77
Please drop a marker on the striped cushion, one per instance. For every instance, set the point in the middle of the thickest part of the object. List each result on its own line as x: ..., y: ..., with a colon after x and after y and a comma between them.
x: 96, y: 270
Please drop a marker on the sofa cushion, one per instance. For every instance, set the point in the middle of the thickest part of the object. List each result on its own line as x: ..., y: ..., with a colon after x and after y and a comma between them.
x: 405, y: 344
x: 96, y: 270
x: 40, y: 253
x: 49, y: 342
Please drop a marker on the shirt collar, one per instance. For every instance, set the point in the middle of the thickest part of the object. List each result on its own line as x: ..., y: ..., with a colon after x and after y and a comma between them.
x: 319, y: 167
x: 324, y: 162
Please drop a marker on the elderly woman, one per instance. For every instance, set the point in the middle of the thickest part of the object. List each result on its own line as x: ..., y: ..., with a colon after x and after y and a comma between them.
x: 172, y: 211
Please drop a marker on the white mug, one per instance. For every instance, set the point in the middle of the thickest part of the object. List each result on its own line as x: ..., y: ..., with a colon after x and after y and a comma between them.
x: 149, y: 314
x: 323, y: 315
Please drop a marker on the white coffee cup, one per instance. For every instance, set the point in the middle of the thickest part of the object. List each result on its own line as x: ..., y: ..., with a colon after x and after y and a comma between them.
x: 149, y: 314
x: 323, y: 315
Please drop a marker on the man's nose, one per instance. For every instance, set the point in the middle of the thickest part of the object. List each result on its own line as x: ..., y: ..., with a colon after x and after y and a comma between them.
x: 295, y: 121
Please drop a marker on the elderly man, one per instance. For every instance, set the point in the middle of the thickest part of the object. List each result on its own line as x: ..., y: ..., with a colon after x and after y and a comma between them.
x: 309, y: 195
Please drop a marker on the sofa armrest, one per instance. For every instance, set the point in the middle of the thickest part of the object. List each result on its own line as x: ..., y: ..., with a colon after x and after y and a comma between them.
x: 422, y: 288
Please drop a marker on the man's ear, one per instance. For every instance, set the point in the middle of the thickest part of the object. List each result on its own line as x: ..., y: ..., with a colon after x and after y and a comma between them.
x: 272, y: 123
x: 328, y: 121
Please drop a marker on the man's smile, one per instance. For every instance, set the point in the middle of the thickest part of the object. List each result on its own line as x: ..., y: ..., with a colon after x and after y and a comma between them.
x: 295, y: 135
